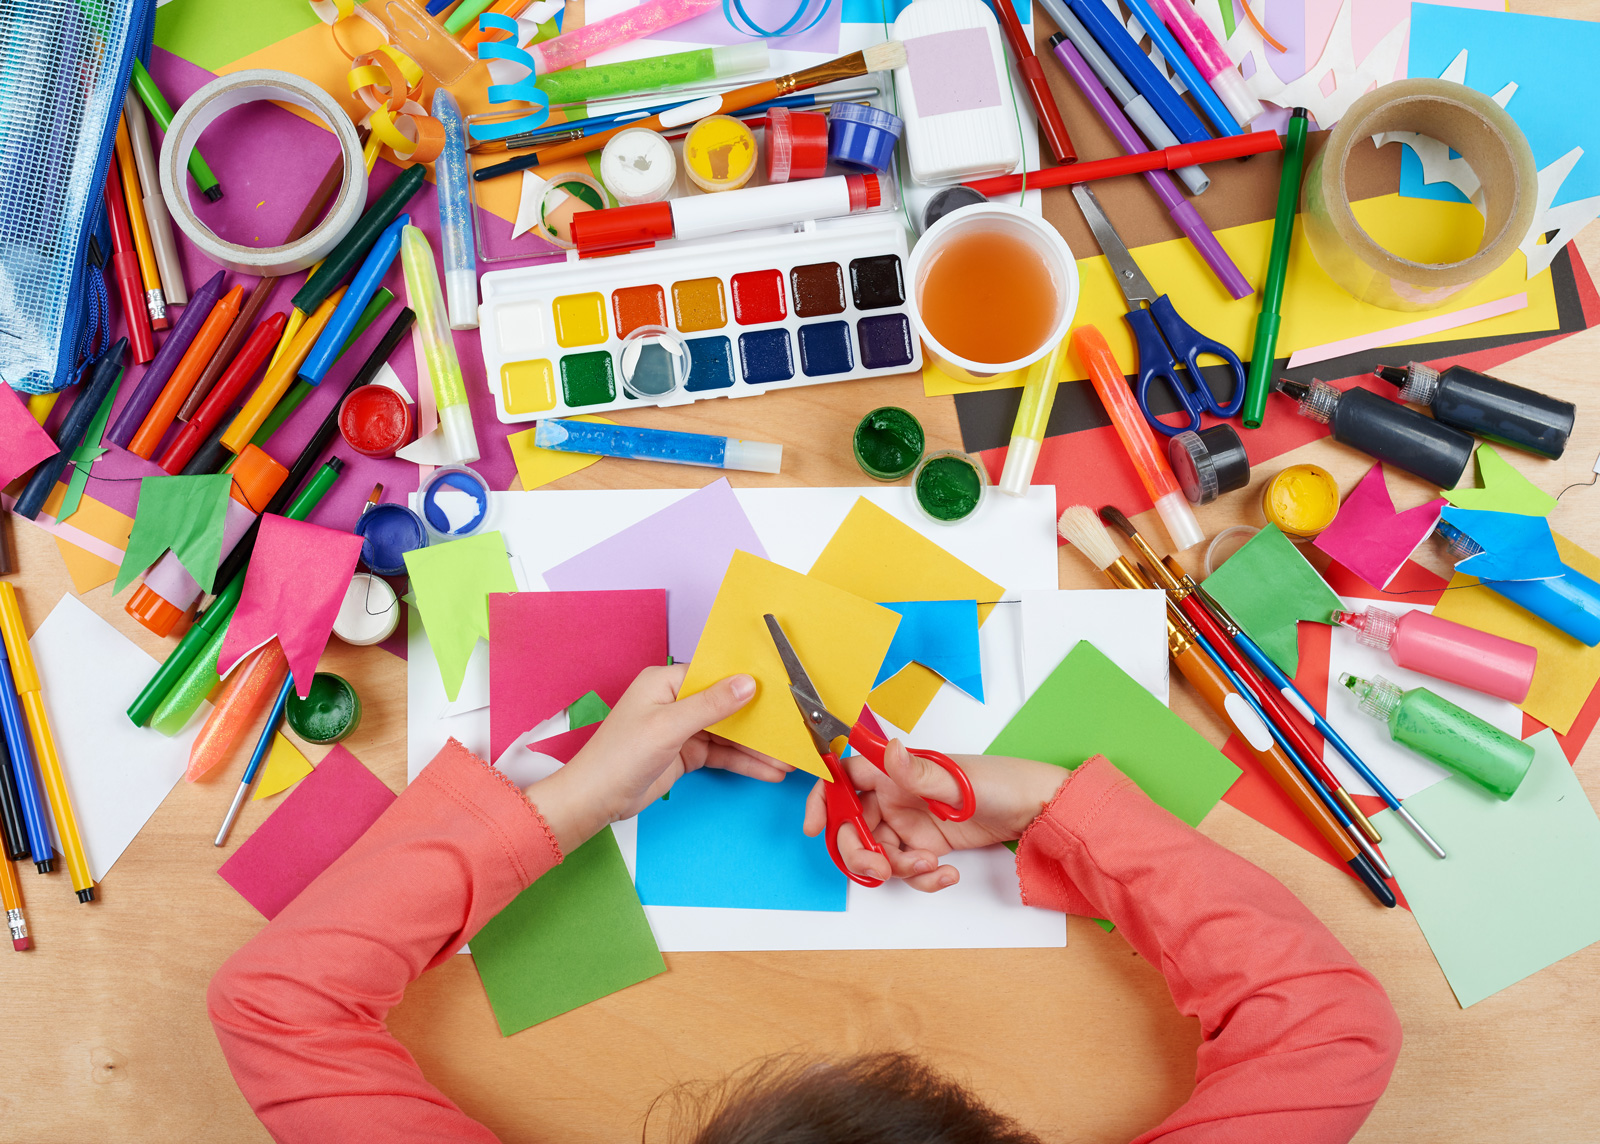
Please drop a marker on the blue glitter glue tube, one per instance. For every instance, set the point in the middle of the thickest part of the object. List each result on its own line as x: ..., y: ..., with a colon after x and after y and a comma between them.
x: 455, y: 215
x: 635, y: 443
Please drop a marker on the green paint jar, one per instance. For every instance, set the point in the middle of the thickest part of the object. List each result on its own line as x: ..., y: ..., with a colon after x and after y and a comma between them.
x: 949, y: 486
x: 330, y: 711
x: 1437, y: 729
x: 888, y: 443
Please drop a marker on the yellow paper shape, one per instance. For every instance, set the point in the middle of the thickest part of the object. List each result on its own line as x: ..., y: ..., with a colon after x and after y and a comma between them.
x: 284, y: 767
x: 87, y: 569
x: 541, y: 466
x: 881, y: 558
x: 1567, y: 670
x: 1316, y: 309
x: 840, y: 638
x: 1501, y: 488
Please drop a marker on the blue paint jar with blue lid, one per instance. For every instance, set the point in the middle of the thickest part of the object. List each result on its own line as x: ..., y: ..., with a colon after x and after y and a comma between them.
x: 862, y: 137
x: 388, y: 532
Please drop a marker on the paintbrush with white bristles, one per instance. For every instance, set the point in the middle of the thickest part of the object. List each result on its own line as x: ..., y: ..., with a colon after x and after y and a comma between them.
x: 1084, y: 531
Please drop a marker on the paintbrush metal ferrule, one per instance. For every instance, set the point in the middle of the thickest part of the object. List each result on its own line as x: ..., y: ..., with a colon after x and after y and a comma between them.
x: 1118, y: 520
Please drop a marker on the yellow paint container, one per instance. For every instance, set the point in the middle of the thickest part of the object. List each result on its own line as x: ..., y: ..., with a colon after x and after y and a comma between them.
x: 1302, y: 500
x: 719, y: 153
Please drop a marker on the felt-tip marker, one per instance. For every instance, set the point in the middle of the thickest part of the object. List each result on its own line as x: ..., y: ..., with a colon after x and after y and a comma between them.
x: 636, y: 443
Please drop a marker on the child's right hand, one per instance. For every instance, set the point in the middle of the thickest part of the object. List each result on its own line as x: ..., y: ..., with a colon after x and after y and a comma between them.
x: 1010, y: 794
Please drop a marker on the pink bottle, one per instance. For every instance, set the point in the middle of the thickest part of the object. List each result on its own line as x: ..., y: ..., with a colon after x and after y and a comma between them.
x: 1449, y: 651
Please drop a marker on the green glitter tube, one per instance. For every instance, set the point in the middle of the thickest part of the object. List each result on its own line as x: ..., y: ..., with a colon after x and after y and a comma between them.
x: 192, y: 688
x: 580, y: 85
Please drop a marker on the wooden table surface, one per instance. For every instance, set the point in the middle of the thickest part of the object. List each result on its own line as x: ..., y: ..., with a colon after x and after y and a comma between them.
x: 105, y: 1035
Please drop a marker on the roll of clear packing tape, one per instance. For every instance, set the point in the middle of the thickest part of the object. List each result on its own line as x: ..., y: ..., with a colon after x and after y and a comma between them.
x: 1481, y: 132
x: 223, y: 94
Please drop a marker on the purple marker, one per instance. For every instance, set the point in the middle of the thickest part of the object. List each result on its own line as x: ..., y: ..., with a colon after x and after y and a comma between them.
x: 1180, y: 208
x: 166, y: 360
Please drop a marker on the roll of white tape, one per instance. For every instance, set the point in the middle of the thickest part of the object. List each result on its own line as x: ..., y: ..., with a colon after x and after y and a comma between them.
x: 223, y: 94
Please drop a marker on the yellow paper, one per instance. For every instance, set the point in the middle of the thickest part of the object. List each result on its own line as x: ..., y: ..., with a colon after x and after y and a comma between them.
x: 284, y: 767
x: 840, y: 638
x: 1567, y: 670
x: 1316, y: 309
x: 541, y: 466
x: 89, y: 571
x: 879, y: 558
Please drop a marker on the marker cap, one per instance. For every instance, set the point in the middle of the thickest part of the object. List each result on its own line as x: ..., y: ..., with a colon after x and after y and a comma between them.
x: 1181, y: 525
x: 461, y: 296
x: 257, y: 478
x: 460, y: 437
x: 158, y: 614
x: 1022, y: 455
x: 753, y: 456
x: 622, y: 228
x: 1236, y: 95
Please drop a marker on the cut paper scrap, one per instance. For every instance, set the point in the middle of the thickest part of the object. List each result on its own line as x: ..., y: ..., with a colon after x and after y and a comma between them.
x: 86, y: 454
x: 452, y: 584
x: 880, y: 558
x: 1426, y: 327
x: 576, y: 935
x: 684, y: 548
x: 940, y: 635
x: 564, y: 746
x: 1501, y: 488
x: 1567, y: 670
x: 731, y: 842
x: 116, y: 774
x: 322, y: 818
x: 185, y: 514
x: 839, y: 637
x: 1369, y: 537
x: 91, y: 544
x: 588, y: 709
x: 547, y: 649
x: 1268, y: 588
x: 23, y: 442
x: 284, y: 767
x: 1515, y: 547
x: 1128, y: 627
x: 293, y: 586
x: 538, y: 466
x: 1518, y: 892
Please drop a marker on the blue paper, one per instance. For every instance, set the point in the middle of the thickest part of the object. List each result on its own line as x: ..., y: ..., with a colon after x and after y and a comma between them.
x: 941, y: 635
x: 734, y: 842
x: 1516, y: 547
x: 1551, y: 61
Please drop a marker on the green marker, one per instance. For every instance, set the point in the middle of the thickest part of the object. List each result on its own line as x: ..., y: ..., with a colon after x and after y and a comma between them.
x: 156, y: 103
x: 353, y: 247
x: 466, y: 13
x: 1266, y: 345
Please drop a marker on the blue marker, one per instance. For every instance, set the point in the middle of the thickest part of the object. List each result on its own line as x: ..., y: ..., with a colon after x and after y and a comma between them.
x: 1124, y: 51
x: 35, y: 811
x: 1215, y: 111
x: 635, y: 443
x: 348, y: 311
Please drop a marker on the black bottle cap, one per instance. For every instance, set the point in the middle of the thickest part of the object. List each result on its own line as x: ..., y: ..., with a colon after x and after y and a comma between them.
x: 1209, y: 463
x: 947, y: 200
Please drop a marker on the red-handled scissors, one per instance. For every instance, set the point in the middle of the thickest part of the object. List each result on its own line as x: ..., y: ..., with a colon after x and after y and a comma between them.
x: 840, y: 799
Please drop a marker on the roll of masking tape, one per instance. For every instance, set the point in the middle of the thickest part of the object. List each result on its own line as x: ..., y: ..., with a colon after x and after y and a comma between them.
x: 201, y: 109
x: 1467, y: 121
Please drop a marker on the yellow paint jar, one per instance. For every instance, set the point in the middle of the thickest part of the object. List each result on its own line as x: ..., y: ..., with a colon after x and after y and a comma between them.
x: 1302, y: 500
x: 719, y: 153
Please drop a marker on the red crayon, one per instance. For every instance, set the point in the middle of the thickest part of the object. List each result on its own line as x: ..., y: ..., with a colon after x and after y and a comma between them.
x: 253, y: 355
x: 125, y: 269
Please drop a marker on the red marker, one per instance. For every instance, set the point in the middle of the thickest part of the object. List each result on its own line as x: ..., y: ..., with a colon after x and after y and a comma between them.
x: 1055, y: 131
x: 1168, y: 158
x: 252, y: 356
x: 125, y: 268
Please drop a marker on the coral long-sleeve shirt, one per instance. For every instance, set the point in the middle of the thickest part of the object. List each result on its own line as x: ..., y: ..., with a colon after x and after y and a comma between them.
x: 1299, y: 1039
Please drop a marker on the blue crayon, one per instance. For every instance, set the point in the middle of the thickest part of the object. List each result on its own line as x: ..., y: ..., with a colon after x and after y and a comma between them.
x: 635, y: 443
x: 348, y: 312
x: 1124, y: 51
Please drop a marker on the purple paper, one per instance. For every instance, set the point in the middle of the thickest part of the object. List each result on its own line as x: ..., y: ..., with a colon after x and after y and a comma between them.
x: 685, y: 548
x: 951, y: 71
x: 713, y: 28
x: 320, y: 819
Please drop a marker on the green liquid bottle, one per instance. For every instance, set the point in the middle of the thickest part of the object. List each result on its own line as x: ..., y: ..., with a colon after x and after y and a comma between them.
x: 1439, y: 730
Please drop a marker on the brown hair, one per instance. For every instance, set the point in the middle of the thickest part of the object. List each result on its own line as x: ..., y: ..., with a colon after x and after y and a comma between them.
x: 879, y: 1098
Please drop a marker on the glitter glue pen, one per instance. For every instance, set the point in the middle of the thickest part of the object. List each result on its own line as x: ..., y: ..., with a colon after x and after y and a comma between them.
x: 636, y: 443
x: 460, y: 439
x: 622, y: 28
x: 1209, y: 57
x: 1027, y: 432
x: 455, y: 214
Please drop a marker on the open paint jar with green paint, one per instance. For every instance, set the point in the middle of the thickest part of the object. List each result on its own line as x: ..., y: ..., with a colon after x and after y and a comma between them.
x: 888, y: 443
x: 949, y: 486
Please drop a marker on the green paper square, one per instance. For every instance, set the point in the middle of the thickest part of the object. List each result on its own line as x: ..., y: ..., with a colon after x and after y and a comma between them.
x: 1268, y: 588
x: 587, y: 710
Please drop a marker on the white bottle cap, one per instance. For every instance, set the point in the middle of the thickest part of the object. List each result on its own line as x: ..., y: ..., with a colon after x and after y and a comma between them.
x: 1182, y: 527
x: 461, y: 295
x: 741, y: 59
x: 753, y: 456
x: 1236, y: 96
x: 460, y: 438
x: 1021, y: 457
x: 369, y: 613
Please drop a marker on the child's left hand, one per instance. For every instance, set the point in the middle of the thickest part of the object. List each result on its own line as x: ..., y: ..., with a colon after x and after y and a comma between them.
x: 650, y: 740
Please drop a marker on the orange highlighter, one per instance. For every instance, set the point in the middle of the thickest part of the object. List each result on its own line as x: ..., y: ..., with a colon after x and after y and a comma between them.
x: 188, y: 371
x: 280, y: 375
x: 26, y: 677
x: 1137, y: 438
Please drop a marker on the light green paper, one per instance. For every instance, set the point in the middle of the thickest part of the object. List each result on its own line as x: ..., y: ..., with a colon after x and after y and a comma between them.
x: 576, y: 935
x: 185, y: 514
x: 1521, y: 888
x: 451, y: 583
x: 1268, y: 588
x: 590, y: 709
x: 212, y: 35
x: 1501, y: 488
x: 86, y: 454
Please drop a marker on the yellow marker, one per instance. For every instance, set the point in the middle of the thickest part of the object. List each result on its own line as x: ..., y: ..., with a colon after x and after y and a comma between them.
x: 1033, y: 414
x: 26, y: 677
x: 280, y: 375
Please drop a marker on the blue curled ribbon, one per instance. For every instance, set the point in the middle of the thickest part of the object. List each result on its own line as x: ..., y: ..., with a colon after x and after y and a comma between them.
x: 526, y: 88
x: 729, y: 7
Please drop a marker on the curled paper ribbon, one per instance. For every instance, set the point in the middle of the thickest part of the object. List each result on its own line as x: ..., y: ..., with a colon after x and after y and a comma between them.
x: 525, y: 89
x: 388, y: 81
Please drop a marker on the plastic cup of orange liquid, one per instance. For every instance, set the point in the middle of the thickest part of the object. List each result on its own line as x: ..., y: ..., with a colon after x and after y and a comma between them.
x: 993, y: 288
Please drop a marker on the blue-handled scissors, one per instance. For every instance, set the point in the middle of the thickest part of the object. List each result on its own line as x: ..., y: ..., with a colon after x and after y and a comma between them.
x: 1165, y: 340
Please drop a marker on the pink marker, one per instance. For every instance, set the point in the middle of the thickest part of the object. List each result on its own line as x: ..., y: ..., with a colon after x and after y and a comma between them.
x: 1449, y: 651
x: 1209, y: 57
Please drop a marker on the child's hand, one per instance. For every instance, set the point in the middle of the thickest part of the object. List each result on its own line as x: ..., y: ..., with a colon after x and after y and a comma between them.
x: 650, y: 740
x: 1010, y: 795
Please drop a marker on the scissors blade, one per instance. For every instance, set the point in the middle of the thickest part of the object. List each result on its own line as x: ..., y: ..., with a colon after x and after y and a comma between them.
x: 1131, y: 281
x: 824, y: 725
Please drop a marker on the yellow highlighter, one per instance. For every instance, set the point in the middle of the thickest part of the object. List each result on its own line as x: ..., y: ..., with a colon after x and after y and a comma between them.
x: 26, y: 677
x: 1027, y: 432
x: 280, y: 376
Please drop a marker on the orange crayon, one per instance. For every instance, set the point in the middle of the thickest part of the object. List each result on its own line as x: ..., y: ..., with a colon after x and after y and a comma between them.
x: 190, y: 367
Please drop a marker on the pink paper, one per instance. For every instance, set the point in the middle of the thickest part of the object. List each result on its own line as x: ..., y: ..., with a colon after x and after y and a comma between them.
x: 1372, y: 540
x: 684, y: 548
x: 293, y: 586
x: 23, y: 443
x: 563, y: 746
x: 546, y: 649
x: 319, y: 820
x: 1418, y: 329
x: 950, y: 72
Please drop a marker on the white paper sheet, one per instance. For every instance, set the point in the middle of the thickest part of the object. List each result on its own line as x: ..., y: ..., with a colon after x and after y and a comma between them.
x: 1129, y: 627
